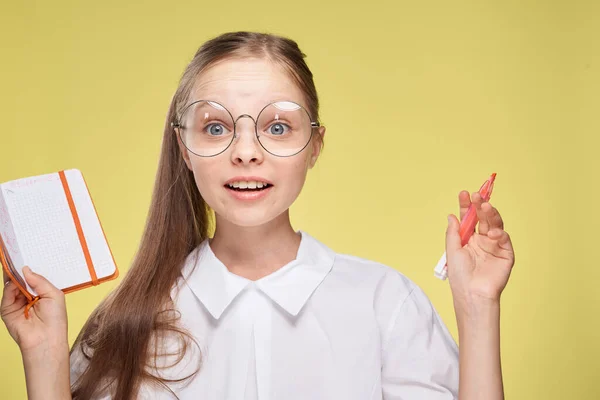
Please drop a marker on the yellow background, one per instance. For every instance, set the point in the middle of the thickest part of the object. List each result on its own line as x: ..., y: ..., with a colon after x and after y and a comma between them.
x: 421, y: 99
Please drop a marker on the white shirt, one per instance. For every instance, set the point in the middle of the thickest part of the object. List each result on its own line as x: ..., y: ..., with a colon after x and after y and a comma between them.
x: 325, y: 326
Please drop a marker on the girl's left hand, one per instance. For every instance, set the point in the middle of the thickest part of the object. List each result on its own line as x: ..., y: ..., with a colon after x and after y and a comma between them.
x: 479, y: 271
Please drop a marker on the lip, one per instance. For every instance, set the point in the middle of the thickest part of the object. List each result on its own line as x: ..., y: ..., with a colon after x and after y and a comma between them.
x: 249, y: 195
x: 248, y: 178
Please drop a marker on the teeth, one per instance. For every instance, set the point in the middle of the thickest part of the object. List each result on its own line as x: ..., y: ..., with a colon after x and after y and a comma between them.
x: 247, y: 185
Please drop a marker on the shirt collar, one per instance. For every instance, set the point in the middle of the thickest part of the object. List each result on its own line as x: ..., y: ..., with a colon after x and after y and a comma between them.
x: 290, y: 286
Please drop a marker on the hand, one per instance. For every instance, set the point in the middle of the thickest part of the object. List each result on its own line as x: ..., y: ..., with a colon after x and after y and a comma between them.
x: 46, y: 326
x: 479, y: 270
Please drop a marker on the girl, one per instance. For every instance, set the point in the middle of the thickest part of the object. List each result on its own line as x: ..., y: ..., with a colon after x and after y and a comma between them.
x: 261, y: 311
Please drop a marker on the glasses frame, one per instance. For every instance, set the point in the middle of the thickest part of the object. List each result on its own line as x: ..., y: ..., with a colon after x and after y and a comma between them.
x: 178, y: 125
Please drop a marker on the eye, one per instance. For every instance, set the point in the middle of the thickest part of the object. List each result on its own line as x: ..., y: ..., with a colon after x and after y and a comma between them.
x: 216, y: 129
x: 278, y: 129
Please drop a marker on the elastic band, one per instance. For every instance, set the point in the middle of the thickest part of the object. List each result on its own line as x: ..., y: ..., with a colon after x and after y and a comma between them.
x: 84, y: 247
x: 29, y: 305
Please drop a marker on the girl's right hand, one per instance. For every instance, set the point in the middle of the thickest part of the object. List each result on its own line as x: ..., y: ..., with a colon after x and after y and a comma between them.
x: 46, y: 326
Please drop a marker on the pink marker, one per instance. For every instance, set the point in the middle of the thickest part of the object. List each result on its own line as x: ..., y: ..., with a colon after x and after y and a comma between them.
x: 467, y: 226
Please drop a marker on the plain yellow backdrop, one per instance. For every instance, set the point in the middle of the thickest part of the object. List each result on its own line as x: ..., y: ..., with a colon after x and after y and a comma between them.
x: 421, y: 100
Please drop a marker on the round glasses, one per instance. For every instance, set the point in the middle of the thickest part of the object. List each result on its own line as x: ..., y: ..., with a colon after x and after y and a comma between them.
x: 207, y: 128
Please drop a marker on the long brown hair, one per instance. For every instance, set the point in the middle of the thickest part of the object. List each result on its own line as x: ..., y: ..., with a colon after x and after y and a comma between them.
x: 122, y: 337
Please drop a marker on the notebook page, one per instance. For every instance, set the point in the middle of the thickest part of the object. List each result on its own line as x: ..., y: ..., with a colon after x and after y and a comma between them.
x: 8, y: 240
x: 90, y: 224
x: 45, y: 230
x: 7, y: 262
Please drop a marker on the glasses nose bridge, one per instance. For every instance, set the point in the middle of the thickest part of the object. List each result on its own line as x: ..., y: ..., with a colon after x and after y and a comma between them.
x: 235, y: 124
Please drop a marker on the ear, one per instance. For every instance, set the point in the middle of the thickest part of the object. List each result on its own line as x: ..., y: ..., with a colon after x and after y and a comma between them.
x: 182, y: 149
x: 317, y: 145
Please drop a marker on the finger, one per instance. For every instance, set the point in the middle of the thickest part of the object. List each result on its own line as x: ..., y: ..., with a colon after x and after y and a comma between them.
x: 464, y: 202
x: 493, y: 217
x: 8, y: 295
x: 483, y: 226
x: 41, y: 285
x: 12, y: 299
x: 492, y: 247
x: 453, y: 242
x: 503, y: 239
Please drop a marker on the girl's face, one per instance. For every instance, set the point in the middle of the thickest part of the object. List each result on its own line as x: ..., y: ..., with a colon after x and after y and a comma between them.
x: 245, y: 86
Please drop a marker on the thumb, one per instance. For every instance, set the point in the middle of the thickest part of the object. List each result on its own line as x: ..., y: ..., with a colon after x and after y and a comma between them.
x: 453, y: 242
x: 41, y: 285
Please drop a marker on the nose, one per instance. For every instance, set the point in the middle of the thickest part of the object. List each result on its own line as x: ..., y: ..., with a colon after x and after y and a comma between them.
x: 245, y: 146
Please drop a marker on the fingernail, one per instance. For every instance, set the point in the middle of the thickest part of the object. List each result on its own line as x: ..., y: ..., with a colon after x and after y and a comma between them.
x: 27, y: 269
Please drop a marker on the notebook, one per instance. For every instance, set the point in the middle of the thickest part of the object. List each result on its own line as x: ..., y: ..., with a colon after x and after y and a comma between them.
x: 49, y: 223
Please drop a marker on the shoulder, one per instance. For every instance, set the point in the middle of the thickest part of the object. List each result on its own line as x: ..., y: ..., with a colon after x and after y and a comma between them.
x: 357, y: 274
x: 384, y: 280
x: 401, y: 308
x: 383, y: 286
x: 346, y: 269
x: 387, y: 290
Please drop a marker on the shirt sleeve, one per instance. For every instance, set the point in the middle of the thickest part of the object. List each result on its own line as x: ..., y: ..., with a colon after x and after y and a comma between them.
x: 78, y: 363
x: 420, y: 357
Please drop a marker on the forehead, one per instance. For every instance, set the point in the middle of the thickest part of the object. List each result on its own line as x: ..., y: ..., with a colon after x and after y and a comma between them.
x: 246, y: 85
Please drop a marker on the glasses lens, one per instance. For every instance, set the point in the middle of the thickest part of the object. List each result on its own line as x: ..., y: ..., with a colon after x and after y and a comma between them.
x: 284, y: 128
x: 206, y: 128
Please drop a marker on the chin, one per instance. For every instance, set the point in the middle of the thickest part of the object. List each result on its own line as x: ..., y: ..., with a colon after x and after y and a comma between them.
x: 248, y: 218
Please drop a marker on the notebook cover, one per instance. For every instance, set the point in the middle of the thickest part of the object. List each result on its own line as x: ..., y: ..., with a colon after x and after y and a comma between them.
x: 29, y: 296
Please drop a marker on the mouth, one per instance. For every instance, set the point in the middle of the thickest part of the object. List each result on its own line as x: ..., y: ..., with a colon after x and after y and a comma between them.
x: 248, y: 186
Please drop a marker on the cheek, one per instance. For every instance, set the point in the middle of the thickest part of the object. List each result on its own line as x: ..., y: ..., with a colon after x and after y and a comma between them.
x: 206, y: 175
x: 292, y: 174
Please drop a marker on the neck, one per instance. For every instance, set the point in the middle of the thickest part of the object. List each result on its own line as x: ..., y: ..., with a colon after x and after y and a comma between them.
x: 257, y: 251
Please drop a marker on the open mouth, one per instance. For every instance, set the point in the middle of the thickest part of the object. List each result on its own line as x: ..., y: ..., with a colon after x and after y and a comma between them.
x: 251, y: 186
